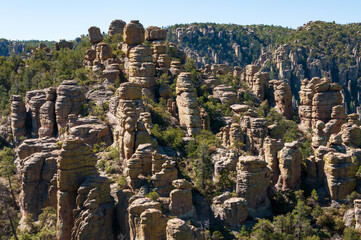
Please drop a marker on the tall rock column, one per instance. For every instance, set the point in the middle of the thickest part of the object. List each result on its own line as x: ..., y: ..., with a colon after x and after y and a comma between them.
x: 253, y: 179
x: 283, y: 98
x: 130, y: 131
x: 142, y: 69
x: 70, y: 98
x: 76, y: 162
x: 340, y: 174
x: 47, y: 114
x: 18, y: 117
x: 188, y: 111
x: 34, y: 100
x: 290, y: 159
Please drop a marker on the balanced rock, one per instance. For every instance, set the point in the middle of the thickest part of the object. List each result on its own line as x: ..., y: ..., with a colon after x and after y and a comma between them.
x: 116, y: 27
x: 133, y: 33
x: 95, y: 35
x: 153, y: 33
x: 188, y: 111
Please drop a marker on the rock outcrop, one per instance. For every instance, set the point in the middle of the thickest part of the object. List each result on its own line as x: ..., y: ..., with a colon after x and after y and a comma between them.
x: 231, y: 211
x: 225, y: 94
x: 18, y: 117
x: 188, y: 111
x: 357, y: 206
x: 47, y: 114
x: 283, y: 97
x: 253, y: 179
x: 317, y: 98
x: 290, y: 160
x: 95, y: 35
x: 76, y: 163
x: 153, y: 33
x: 340, y: 174
x: 271, y: 148
x: 133, y: 33
x: 69, y: 100
x: 33, y: 101
x: 142, y: 69
x: 116, y: 27
x: 257, y: 81
x: 36, y: 164
x: 177, y: 229
x: 130, y: 130
x: 181, y: 204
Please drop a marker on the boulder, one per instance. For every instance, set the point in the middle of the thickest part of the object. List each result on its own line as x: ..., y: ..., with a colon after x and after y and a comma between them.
x: 116, y: 27
x: 95, y: 35
x: 133, y: 33
x: 153, y: 33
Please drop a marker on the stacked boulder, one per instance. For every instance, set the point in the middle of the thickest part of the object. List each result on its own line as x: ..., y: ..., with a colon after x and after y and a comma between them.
x: 317, y: 99
x: 36, y: 164
x: 33, y: 101
x: 69, y: 100
x: 142, y: 69
x: 181, y: 204
x: 340, y: 174
x: 281, y: 92
x: 257, y: 81
x: 80, y: 188
x: 230, y: 211
x: 133, y: 35
x: 290, y: 160
x: 253, y: 179
x: 188, y: 111
x: 116, y: 27
x: 130, y: 130
x: 47, y: 114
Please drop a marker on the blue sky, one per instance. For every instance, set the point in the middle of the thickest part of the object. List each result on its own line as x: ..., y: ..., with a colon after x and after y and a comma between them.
x: 54, y: 20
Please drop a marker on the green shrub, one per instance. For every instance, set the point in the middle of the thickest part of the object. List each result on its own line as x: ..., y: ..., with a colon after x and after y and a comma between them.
x: 153, y: 195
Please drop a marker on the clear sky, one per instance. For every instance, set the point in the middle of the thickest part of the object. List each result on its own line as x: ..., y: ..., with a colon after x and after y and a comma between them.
x: 54, y: 20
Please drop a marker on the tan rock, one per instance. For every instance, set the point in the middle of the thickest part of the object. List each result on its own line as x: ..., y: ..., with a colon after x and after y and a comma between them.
x: 253, y: 179
x: 340, y: 173
x: 188, y: 110
x: 290, y: 160
x: 18, y: 117
x: 357, y: 207
x: 116, y: 27
x: 271, y: 148
x: 181, y: 204
x: 95, y: 35
x: 153, y: 33
x: 133, y: 33
x: 177, y: 229
x: 152, y: 225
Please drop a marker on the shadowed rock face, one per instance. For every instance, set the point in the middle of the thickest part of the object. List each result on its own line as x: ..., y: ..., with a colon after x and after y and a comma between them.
x: 18, y: 117
x: 257, y: 81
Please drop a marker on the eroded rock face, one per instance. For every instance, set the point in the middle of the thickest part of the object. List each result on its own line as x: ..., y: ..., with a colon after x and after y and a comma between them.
x: 231, y: 211
x: 162, y: 180
x: 142, y: 69
x: 317, y: 98
x: 135, y: 209
x: 47, y: 114
x: 290, y: 159
x: 340, y: 173
x: 153, y: 225
x: 181, y: 204
x: 116, y: 27
x: 282, y: 97
x: 37, y: 166
x: 351, y: 135
x: 70, y: 98
x: 18, y: 117
x: 188, y: 110
x: 225, y: 161
x: 93, y: 216
x: 225, y: 94
x: 33, y: 101
x: 130, y: 130
x: 153, y: 33
x: 75, y: 163
x: 253, y: 179
x: 95, y: 35
x: 177, y: 229
x: 133, y: 33
x: 257, y: 81
x: 255, y: 130
x: 103, y: 52
x: 271, y: 148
